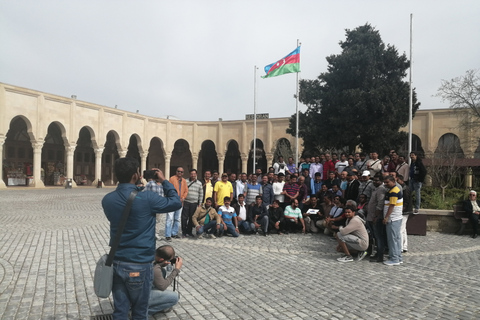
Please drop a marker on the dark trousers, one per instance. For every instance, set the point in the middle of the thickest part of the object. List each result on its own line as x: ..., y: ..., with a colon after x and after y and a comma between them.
x: 380, y: 237
x: 474, y: 221
x: 293, y: 226
x: 187, y: 214
x: 271, y: 225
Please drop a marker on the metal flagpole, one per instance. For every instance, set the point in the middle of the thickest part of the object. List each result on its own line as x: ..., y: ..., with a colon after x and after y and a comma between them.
x: 297, y: 120
x: 410, y: 110
x: 254, y: 160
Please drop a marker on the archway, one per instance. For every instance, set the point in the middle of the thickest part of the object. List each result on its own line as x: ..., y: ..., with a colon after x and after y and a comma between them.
x: 261, y: 159
x: 283, y: 149
x: 134, y: 146
x: 84, y: 159
x: 233, y: 160
x: 18, y: 154
x: 416, y: 147
x: 156, y: 156
x: 110, y: 154
x: 207, y: 158
x: 181, y: 156
x: 449, y: 146
x: 53, y: 156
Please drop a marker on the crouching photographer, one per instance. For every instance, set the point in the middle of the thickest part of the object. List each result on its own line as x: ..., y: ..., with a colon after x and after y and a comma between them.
x: 161, y: 299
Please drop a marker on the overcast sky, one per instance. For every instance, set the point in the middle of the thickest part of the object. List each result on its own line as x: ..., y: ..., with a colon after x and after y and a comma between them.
x: 195, y: 60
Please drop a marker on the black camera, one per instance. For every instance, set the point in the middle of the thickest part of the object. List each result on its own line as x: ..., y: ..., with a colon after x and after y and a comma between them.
x: 149, y: 174
x: 174, y: 260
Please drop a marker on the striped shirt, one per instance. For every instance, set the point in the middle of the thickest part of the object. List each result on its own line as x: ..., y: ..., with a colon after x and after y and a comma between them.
x: 195, y: 192
x: 394, y: 196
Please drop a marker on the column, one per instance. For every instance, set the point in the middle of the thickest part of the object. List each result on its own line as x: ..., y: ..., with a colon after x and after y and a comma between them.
x: 167, y: 166
x: 143, y: 164
x: 70, y: 151
x: 244, y: 162
x: 122, y: 153
x: 2, y: 183
x: 270, y: 159
x: 221, y: 162
x: 37, y: 164
x: 98, y: 166
x: 195, y: 161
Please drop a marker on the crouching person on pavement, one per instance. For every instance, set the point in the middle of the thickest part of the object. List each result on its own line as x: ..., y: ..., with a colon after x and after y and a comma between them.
x: 206, y: 219
x: 229, y: 219
x: 353, y: 237
x: 161, y: 299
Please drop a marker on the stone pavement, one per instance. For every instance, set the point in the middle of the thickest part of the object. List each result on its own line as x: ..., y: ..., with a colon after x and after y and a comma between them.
x: 50, y: 240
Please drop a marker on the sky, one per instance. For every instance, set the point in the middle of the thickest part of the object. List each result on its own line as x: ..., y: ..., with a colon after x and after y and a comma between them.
x: 196, y: 60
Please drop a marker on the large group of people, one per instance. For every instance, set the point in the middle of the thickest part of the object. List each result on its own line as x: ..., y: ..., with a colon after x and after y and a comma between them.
x: 362, y: 202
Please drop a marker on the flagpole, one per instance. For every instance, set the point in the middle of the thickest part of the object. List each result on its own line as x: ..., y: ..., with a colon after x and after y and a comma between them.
x: 297, y: 120
x: 254, y: 117
x: 410, y: 109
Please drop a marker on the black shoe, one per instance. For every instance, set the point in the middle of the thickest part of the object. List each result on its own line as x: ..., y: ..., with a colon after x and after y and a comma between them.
x: 474, y: 235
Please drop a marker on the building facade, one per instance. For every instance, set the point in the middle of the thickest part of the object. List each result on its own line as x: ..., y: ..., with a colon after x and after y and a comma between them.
x: 46, y: 139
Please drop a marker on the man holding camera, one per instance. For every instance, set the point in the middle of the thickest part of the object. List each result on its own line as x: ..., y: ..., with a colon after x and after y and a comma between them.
x: 162, y: 300
x: 132, y: 264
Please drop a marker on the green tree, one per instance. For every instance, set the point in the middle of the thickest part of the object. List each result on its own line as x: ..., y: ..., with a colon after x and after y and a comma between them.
x: 362, y: 100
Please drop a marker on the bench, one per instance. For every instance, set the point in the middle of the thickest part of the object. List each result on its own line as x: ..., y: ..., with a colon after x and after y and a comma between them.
x: 460, y: 214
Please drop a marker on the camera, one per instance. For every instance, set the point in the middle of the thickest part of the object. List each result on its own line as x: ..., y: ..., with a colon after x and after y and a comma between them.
x: 174, y: 260
x: 149, y: 174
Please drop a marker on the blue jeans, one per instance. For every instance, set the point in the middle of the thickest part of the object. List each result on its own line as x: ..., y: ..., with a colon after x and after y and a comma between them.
x: 230, y: 229
x: 209, y: 228
x: 161, y: 300
x: 132, y: 283
x: 416, y: 186
x: 172, y: 223
x: 244, y: 226
x: 394, y: 237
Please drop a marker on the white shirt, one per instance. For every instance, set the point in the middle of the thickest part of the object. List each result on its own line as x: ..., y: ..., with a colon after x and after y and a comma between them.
x: 277, y: 190
x: 242, y: 213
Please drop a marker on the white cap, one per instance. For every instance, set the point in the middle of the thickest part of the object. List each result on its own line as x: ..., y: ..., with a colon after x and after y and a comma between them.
x: 366, y: 173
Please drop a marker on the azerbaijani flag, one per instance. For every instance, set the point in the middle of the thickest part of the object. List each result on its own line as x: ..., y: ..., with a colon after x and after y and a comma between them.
x: 288, y: 64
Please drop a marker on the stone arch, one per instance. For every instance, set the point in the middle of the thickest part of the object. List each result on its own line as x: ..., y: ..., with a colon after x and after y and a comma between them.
x: 181, y: 156
x: 233, y: 160
x: 207, y: 157
x: 156, y: 154
x: 110, y: 154
x: 17, y: 166
x: 134, y: 147
x: 449, y: 144
x: 416, y: 147
x: 53, y: 155
x: 261, y: 159
x: 282, y: 148
x: 84, y: 157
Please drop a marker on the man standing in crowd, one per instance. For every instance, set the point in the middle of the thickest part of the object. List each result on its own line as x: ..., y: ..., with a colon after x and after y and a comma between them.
x: 418, y: 172
x: 351, y: 193
x: 316, y: 167
x: 374, y: 165
x: 392, y: 213
x: 193, y: 201
x: 280, y: 166
x: 138, y: 251
x: 403, y: 168
x: 278, y: 190
x: 161, y: 299
x: 222, y: 189
x: 155, y: 185
x: 232, y: 178
x: 406, y: 210
x: 291, y: 167
x: 172, y: 222
x: 240, y: 184
x: 252, y: 190
x: 267, y: 192
x: 207, y: 185
x: 328, y: 166
x: 291, y: 190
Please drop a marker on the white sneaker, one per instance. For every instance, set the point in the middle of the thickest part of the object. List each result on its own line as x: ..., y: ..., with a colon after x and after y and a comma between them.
x: 362, y: 255
x: 211, y: 236
x: 345, y: 259
x: 200, y: 236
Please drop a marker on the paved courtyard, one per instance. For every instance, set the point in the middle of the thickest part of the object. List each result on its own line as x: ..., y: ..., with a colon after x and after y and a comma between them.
x: 50, y: 240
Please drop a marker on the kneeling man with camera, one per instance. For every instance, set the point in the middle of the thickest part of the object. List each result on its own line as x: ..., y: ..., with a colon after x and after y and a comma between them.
x: 161, y: 299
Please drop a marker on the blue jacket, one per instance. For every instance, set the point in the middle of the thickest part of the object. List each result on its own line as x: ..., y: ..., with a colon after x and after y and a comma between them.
x: 137, y: 244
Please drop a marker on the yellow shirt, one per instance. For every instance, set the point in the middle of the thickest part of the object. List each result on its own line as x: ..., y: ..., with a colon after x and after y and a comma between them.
x: 223, y: 190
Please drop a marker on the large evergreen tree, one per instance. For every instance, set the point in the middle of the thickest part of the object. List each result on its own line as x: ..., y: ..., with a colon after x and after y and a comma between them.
x: 362, y: 100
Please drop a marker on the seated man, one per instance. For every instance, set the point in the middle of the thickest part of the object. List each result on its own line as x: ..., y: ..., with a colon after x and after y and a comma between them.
x: 276, y: 218
x: 206, y: 219
x: 241, y: 209
x: 472, y: 208
x: 229, y: 218
x: 312, y: 213
x: 162, y: 300
x: 336, y: 217
x: 293, y: 217
x: 353, y: 238
x: 258, y: 216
